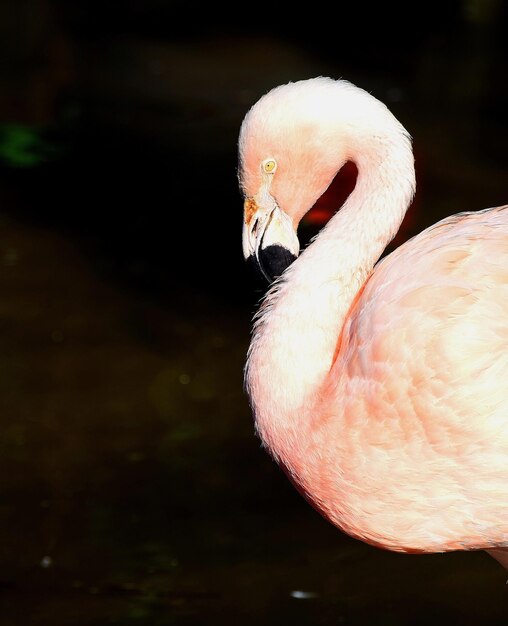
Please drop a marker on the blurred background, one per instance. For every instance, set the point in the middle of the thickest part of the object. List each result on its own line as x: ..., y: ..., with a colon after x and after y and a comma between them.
x: 132, y: 487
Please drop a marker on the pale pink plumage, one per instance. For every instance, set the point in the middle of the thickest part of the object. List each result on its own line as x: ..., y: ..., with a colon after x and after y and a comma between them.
x: 382, y: 391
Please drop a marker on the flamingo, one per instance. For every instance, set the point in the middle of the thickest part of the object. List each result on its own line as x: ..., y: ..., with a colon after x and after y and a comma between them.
x: 379, y: 387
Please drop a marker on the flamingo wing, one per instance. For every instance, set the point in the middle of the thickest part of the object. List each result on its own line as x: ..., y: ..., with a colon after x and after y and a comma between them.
x: 423, y: 370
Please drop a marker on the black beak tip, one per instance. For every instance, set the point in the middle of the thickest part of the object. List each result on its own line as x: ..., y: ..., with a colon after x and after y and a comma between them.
x: 271, y: 262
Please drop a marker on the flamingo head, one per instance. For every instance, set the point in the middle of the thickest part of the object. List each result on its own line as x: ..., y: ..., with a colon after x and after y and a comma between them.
x: 293, y: 142
x: 289, y: 153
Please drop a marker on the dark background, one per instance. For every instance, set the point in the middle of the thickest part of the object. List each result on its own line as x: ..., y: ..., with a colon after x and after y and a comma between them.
x: 132, y: 488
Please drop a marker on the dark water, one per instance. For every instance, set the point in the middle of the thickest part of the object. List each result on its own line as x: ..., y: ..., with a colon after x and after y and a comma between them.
x: 132, y: 488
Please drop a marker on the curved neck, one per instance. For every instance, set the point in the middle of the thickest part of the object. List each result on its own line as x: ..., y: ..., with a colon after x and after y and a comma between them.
x: 300, y: 322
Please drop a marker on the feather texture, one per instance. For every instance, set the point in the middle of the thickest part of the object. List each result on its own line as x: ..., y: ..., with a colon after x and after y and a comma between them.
x: 381, y: 389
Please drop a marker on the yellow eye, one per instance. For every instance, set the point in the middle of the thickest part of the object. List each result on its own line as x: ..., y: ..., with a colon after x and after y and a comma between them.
x: 269, y: 166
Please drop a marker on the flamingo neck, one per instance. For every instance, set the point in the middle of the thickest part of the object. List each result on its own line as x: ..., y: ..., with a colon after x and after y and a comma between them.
x: 300, y: 322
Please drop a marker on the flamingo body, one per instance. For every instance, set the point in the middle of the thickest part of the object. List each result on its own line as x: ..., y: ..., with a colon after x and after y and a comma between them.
x: 382, y: 389
x: 419, y: 378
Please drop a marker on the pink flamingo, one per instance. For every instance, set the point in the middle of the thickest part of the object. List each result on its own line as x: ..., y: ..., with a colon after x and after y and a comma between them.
x: 381, y: 390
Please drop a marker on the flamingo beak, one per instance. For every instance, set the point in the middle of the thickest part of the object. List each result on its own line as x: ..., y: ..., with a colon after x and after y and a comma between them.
x: 269, y: 238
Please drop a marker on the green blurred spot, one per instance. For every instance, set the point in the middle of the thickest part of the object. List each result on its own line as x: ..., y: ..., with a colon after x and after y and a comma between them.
x: 23, y: 146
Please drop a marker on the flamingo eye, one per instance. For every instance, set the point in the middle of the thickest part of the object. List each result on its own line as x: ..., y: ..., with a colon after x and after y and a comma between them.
x: 269, y: 166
